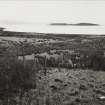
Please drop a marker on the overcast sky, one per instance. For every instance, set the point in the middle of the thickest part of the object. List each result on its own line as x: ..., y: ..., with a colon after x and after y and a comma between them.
x: 30, y: 12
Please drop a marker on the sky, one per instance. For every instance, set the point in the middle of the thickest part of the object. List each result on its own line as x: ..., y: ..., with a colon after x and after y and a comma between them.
x: 38, y: 12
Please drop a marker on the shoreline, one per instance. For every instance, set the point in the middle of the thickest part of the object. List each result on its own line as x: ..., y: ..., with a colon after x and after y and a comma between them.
x: 35, y: 34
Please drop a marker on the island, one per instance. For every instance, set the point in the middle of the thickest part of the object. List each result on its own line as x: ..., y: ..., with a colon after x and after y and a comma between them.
x: 77, y: 24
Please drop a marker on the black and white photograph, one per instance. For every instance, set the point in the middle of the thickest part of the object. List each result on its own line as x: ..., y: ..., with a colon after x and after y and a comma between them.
x: 52, y: 52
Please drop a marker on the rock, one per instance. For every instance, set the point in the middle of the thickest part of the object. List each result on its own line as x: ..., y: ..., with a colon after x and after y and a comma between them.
x: 77, y: 100
x: 53, y: 87
x: 98, y: 91
x: 58, y: 80
x: 65, y: 85
x: 82, y: 87
x: 74, y: 92
x: 91, y: 85
x: 102, y: 97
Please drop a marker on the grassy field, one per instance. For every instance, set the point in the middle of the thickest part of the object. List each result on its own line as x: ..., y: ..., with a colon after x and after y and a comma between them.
x: 48, y: 80
x: 75, y: 86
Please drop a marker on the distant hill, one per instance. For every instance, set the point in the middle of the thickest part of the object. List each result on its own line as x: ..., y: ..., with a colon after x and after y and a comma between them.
x: 77, y: 24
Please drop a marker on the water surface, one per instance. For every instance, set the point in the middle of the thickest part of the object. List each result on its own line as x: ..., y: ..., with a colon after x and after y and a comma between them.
x: 56, y: 29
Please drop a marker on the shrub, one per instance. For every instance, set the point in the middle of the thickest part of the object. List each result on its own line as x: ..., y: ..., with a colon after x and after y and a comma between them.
x: 15, y: 78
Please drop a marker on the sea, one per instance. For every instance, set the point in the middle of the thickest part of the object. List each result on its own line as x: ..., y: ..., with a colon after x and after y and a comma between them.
x: 46, y: 28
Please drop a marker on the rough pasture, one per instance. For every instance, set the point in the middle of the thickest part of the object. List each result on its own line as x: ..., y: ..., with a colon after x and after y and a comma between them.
x: 50, y: 59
